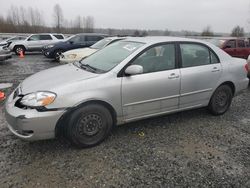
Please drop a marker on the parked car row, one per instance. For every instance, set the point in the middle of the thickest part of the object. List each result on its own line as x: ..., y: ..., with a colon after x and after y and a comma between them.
x: 54, y: 51
x: 52, y: 45
x: 78, y: 54
x: 128, y: 80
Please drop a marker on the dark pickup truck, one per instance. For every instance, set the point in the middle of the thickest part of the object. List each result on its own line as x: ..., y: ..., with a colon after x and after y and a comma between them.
x: 236, y: 47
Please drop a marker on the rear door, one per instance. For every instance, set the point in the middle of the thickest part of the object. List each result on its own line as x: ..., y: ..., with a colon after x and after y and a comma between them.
x: 45, y: 40
x: 156, y: 90
x: 200, y: 72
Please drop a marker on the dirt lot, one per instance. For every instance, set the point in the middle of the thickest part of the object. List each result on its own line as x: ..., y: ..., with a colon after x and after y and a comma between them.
x: 188, y: 149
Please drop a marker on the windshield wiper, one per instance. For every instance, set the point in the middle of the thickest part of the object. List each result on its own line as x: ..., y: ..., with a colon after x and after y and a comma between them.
x: 87, y: 66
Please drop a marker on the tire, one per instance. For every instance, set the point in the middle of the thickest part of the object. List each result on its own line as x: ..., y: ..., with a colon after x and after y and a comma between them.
x: 89, y: 125
x: 17, y: 49
x: 221, y: 100
x: 57, y: 54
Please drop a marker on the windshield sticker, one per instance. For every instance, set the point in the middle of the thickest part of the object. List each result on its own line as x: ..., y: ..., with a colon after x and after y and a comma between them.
x: 129, y: 47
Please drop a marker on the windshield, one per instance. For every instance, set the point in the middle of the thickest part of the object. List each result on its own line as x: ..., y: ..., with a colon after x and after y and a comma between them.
x: 100, y: 44
x: 70, y: 37
x: 112, y: 55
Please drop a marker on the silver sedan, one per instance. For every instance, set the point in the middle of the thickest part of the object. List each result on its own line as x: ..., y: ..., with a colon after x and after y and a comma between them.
x: 133, y: 79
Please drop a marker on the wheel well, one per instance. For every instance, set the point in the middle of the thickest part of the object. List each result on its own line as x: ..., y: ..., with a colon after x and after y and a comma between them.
x: 19, y: 46
x: 231, y: 85
x: 59, y: 130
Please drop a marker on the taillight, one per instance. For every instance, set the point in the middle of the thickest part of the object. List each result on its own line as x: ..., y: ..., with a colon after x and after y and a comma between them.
x: 246, y: 67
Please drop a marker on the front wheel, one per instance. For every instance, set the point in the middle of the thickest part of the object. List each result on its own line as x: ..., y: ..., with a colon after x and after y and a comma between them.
x: 18, y: 49
x: 221, y: 100
x: 57, y: 55
x: 89, y: 125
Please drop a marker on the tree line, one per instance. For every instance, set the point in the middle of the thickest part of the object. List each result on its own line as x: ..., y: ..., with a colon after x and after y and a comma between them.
x: 237, y: 31
x: 31, y: 20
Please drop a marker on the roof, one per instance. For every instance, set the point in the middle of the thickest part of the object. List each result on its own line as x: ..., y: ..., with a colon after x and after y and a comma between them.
x: 153, y: 40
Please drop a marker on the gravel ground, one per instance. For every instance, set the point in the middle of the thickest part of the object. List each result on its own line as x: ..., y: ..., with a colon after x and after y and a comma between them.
x: 187, y: 149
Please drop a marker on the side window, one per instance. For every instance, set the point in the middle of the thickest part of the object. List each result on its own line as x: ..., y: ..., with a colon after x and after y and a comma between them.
x: 34, y: 38
x: 157, y: 58
x: 241, y: 44
x: 194, y: 55
x: 231, y: 44
x: 76, y: 39
x: 93, y: 38
x: 214, y: 58
x: 45, y: 37
x: 58, y: 36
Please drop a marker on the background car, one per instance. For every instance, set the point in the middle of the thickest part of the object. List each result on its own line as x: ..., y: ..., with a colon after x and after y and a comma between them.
x: 236, y: 47
x: 77, y: 54
x: 5, y: 53
x: 129, y: 80
x: 35, y: 42
x: 82, y: 40
x: 12, y: 39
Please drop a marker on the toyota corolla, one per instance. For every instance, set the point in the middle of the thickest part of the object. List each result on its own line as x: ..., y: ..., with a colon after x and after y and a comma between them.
x: 133, y: 79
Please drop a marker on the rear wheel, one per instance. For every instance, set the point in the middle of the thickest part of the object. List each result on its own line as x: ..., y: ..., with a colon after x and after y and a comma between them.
x: 221, y: 100
x: 89, y: 125
x: 18, y: 49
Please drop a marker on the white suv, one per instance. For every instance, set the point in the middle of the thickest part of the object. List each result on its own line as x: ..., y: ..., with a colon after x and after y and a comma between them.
x: 35, y: 42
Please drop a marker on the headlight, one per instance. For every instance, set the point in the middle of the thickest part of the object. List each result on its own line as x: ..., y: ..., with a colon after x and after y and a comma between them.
x: 71, y: 56
x: 38, y: 99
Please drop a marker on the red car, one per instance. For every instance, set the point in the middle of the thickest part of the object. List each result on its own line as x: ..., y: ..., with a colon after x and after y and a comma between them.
x: 236, y: 47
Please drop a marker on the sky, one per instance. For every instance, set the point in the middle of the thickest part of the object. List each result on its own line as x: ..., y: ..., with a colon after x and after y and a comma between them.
x: 175, y: 15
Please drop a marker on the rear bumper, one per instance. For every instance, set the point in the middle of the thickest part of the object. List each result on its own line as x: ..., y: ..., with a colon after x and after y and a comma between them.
x: 241, y: 86
x: 29, y: 124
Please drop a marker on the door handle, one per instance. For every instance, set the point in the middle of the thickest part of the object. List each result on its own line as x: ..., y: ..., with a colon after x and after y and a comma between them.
x: 215, y: 69
x: 173, y: 76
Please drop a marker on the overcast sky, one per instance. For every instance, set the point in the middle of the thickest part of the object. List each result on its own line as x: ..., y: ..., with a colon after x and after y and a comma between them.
x: 221, y: 15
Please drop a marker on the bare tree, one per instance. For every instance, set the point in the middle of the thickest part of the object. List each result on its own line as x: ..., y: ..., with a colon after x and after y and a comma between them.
x: 89, y: 24
x: 58, y: 17
x: 207, y: 31
x: 238, y: 31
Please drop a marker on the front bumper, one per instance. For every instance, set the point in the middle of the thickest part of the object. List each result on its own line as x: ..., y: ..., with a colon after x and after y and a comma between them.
x: 5, y: 56
x: 29, y: 124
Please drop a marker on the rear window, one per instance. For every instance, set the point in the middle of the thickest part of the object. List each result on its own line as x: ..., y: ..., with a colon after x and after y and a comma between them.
x: 59, y: 36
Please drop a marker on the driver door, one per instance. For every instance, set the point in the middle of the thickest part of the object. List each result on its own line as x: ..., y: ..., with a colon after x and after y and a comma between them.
x: 156, y: 90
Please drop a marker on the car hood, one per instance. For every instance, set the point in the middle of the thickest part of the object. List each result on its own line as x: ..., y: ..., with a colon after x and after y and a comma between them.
x: 80, y: 51
x: 50, y: 79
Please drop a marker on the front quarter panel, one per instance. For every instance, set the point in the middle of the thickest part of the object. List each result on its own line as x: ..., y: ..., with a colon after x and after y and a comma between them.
x: 106, y: 88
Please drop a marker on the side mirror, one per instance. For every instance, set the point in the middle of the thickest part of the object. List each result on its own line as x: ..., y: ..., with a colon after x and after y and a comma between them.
x: 134, y: 69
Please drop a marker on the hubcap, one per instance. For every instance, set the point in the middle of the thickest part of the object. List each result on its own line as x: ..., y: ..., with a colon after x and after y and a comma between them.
x: 89, y: 125
x: 221, y: 99
x: 19, y: 50
x: 58, y: 55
